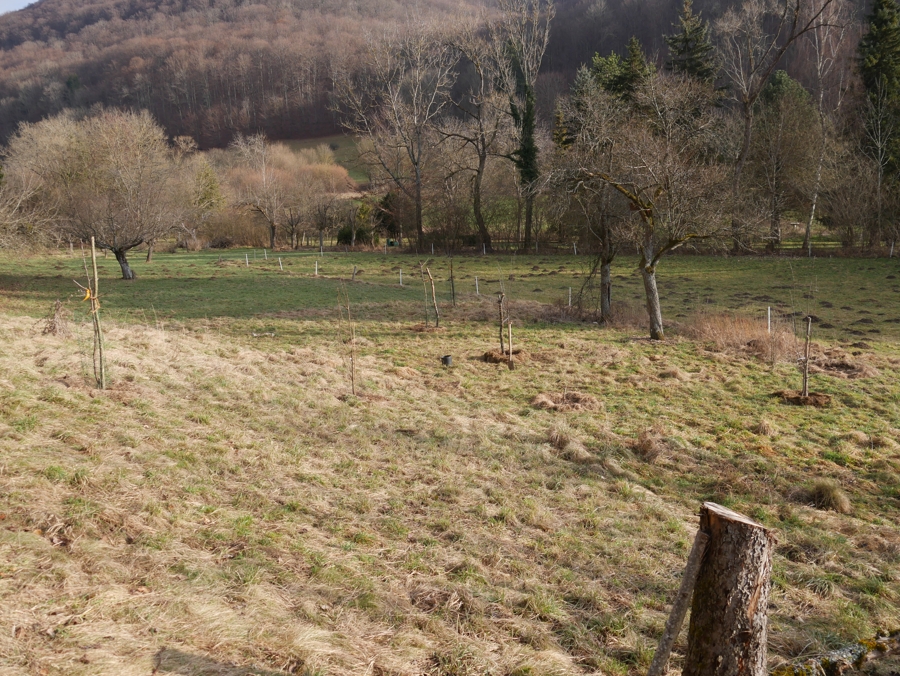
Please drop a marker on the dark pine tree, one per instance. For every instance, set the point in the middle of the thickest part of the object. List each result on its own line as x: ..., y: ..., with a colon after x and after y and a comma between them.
x: 879, y: 51
x: 621, y: 76
x: 690, y: 50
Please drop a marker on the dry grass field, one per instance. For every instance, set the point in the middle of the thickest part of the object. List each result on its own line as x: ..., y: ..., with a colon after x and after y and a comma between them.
x: 228, y: 507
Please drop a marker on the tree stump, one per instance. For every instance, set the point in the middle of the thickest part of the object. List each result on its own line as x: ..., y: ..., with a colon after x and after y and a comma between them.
x: 729, y: 613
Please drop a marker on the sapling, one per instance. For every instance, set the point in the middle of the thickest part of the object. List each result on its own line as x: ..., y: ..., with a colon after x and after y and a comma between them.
x: 92, y: 294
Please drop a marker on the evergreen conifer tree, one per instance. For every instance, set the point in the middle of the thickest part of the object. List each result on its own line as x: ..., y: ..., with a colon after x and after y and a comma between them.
x: 690, y: 50
x: 879, y: 50
x: 621, y: 76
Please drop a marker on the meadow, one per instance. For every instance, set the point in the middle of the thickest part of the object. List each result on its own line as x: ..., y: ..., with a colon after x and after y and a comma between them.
x: 229, y: 506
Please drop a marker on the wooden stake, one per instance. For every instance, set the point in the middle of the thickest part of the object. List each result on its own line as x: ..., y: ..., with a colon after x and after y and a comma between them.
x: 353, y: 276
x: 352, y: 341
x: 679, y: 606
x: 280, y: 265
x: 99, y: 357
x: 247, y: 259
x: 437, y: 315
x: 805, y: 392
x: 510, y: 363
x: 424, y: 292
x: 500, y: 308
x: 477, y: 292
x: 452, y: 284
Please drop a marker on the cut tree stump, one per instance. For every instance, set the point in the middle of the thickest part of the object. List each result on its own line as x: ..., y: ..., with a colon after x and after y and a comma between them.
x: 729, y: 613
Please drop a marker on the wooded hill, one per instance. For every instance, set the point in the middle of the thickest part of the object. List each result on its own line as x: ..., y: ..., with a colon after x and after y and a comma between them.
x: 213, y: 68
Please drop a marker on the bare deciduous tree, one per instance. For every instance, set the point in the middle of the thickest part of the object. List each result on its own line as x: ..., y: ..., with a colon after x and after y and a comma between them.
x: 260, y: 187
x: 110, y: 176
x: 522, y: 33
x: 826, y: 41
x: 594, y: 117
x: 666, y: 168
x: 395, y: 104
x: 483, y: 128
x: 753, y: 38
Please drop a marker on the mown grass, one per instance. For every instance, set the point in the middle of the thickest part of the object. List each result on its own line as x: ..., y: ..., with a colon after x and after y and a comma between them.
x: 228, y: 506
x: 849, y: 297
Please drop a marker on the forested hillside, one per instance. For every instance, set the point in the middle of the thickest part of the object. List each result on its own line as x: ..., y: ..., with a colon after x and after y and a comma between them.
x: 205, y: 68
x: 213, y: 68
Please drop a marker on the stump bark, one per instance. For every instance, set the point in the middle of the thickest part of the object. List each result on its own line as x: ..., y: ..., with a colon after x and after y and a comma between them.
x: 729, y: 618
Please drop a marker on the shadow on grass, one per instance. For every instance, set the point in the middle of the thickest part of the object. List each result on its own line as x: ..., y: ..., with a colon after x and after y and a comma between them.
x: 170, y: 661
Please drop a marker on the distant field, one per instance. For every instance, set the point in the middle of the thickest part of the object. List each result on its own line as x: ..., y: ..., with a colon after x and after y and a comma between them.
x: 345, y: 153
x: 850, y: 298
x: 228, y: 506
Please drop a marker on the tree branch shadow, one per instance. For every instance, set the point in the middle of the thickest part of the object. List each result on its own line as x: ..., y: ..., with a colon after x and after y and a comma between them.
x: 171, y: 661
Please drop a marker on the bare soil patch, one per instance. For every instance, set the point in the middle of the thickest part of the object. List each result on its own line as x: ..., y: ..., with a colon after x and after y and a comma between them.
x: 813, y: 399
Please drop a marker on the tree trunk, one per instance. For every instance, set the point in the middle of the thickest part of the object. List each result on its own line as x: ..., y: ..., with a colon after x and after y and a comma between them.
x: 150, y: 251
x: 420, y: 230
x: 605, y: 289
x: 127, y: 272
x: 774, y: 226
x: 817, y: 185
x: 272, y: 230
x: 476, y: 206
x: 729, y: 621
x: 529, y: 216
x: 648, y: 273
x: 736, y: 235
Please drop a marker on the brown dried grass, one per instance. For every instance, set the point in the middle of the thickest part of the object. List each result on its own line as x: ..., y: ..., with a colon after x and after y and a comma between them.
x: 57, y: 322
x: 733, y: 332
x: 569, y: 400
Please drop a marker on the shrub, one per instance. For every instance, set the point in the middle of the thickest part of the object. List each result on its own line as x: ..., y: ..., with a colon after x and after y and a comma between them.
x: 363, y: 236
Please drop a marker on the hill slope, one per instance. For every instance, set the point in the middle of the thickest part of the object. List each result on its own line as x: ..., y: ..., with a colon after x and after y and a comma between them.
x: 213, y: 68
x: 229, y: 503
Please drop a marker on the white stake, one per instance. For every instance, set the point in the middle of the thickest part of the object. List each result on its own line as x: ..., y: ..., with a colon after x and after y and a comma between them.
x: 483, y: 249
x: 432, y: 248
x: 279, y: 264
x: 401, y: 277
x: 247, y: 259
x: 317, y: 268
x: 770, y: 320
x: 477, y: 293
x: 570, y: 296
x: 266, y: 254
x: 575, y: 246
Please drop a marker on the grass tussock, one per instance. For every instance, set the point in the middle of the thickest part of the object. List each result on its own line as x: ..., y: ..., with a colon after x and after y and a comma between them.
x: 827, y: 494
x: 569, y: 400
x: 730, y: 331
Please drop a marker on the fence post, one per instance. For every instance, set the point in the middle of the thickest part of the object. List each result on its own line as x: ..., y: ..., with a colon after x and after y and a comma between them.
x: 729, y: 613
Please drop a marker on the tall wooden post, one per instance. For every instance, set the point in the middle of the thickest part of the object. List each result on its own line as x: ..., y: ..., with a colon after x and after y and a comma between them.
x: 99, y: 356
x: 805, y: 391
x: 729, y: 613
